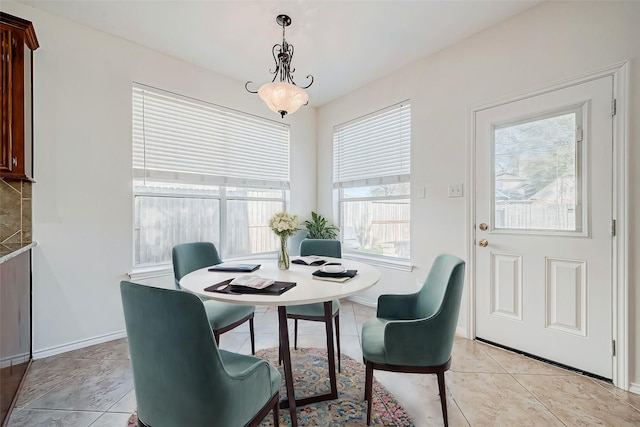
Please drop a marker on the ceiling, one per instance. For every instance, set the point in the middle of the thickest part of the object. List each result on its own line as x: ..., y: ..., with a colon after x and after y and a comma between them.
x: 343, y: 44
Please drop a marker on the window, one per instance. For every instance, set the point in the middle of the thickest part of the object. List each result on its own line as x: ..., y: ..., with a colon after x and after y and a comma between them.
x: 204, y: 173
x: 537, y: 174
x: 371, y: 173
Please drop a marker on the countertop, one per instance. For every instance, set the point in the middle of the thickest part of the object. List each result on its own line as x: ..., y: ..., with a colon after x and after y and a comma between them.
x: 10, y: 250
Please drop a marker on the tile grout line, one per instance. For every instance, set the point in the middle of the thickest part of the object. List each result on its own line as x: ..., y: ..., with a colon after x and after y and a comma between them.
x: 524, y: 388
x: 43, y: 394
x: 538, y: 400
x: 611, y: 392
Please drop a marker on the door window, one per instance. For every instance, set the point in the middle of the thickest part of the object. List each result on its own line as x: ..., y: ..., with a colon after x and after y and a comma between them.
x: 537, y: 177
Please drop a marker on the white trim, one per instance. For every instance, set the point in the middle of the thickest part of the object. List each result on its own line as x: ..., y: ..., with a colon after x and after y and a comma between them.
x: 141, y: 273
x: 161, y: 270
x: 14, y: 360
x: 461, y: 332
x: 362, y: 301
x: 611, y: 70
x: 204, y: 179
x: 75, y: 345
x: 393, y: 264
x: 634, y: 388
x: 470, y: 223
x: 620, y: 261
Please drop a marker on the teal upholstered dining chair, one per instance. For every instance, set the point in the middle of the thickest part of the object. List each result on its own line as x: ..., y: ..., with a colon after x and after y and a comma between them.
x: 223, y: 317
x: 180, y: 376
x: 315, y: 312
x: 414, y: 333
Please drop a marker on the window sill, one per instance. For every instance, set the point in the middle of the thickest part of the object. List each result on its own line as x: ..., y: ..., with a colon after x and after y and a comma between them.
x: 141, y: 273
x: 401, y: 265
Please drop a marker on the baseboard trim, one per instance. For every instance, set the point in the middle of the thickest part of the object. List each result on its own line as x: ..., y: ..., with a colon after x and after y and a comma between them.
x: 462, y: 332
x: 14, y: 360
x: 362, y: 301
x: 634, y: 388
x: 59, y: 349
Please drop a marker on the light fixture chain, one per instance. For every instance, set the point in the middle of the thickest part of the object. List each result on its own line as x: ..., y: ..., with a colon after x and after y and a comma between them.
x: 286, y: 96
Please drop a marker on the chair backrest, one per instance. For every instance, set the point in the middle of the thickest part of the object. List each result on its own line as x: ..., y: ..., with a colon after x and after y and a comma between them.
x: 321, y: 247
x: 188, y: 257
x: 440, y: 297
x: 178, y: 373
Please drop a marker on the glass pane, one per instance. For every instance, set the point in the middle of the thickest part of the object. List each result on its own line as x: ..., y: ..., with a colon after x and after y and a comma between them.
x: 379, y: 227
x: 376, y: 191
x: 536, y: 180
x: 162, y: 222
x: 248, y: 227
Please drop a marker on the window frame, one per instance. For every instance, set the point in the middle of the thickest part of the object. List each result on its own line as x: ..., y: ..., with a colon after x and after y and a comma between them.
x: 581, y: 112
x: 404, y: 177
x: 222, y: 187
x: 222, y: 198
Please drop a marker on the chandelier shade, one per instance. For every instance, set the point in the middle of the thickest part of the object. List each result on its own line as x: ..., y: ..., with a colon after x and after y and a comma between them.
x: 284, y: 96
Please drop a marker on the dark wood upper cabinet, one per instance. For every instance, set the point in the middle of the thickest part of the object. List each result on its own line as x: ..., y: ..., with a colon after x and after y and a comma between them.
x: 18, y: 40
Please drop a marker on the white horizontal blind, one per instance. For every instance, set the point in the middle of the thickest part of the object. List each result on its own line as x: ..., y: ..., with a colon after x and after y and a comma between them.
x: 374, y: 149
x: 179, y: 139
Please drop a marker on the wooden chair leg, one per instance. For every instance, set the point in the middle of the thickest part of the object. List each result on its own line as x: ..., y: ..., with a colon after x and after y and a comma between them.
x: 272, y: 406
x: 276, y: 414
x: 337, y: 322
x: 443, y: 396
x: 295, y: 334
x: 216, y: 336
x: 368, y: 389
x: 253, y: 337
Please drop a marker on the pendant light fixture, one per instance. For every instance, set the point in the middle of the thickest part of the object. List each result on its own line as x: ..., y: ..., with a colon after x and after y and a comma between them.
x: 283, y: 96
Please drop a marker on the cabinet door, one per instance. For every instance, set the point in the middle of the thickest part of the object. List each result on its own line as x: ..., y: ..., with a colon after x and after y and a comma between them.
x: 15, y: 326
x: 6, y: 142
x: 12, y: 163
x: 16, y: 146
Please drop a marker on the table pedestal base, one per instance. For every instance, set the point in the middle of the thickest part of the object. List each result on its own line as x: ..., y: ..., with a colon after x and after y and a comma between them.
x: 291, y: 402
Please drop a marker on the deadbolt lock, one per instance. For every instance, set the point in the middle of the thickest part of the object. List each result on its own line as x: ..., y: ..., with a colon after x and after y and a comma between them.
x: 483, y: 227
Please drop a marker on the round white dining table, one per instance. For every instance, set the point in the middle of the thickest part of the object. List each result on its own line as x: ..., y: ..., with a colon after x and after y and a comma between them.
x: 307, y: 290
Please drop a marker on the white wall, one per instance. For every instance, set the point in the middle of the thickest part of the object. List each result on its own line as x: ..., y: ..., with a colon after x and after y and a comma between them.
x: 548, y: 43
x: 82, y: 200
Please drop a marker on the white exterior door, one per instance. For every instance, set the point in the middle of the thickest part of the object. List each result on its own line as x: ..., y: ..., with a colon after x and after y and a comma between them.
x: 543, y: 225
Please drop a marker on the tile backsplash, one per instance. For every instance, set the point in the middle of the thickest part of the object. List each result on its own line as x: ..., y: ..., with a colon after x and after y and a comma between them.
x: 15, y: 212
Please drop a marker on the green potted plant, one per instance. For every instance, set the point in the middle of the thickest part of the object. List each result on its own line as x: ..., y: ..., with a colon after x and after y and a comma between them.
x: 319, y: 228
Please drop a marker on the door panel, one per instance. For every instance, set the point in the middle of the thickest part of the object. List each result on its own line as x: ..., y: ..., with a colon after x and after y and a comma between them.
x: 544, y: 190
x: 506, y: 289
x: 566, y: 296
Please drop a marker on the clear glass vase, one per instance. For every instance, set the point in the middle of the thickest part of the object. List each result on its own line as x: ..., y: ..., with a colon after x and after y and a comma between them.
x: 284, y: 260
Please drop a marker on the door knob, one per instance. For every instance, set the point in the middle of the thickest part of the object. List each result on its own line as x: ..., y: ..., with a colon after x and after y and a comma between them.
x: 483, y: 243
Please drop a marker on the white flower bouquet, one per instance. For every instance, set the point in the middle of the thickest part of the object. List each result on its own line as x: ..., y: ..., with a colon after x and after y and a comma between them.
x: 284, y: 225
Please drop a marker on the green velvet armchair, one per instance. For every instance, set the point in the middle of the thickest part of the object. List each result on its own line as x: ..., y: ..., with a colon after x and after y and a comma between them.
x: 180, y: 376
x: 414, y: 333
x: 222, y: 316
x: 315, y: 311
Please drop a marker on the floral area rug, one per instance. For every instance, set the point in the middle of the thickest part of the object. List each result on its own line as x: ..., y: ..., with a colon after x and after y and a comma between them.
x: 310, y: 376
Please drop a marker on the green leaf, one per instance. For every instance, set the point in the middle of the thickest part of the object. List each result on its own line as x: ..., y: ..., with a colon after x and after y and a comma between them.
x: 319, y: 227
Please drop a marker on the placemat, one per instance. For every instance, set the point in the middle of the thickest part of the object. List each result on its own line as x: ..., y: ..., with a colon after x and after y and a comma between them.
x: 225, y: 287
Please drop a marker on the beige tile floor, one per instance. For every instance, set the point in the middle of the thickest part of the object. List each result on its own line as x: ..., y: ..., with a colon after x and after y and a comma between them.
x: 486, y: 386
